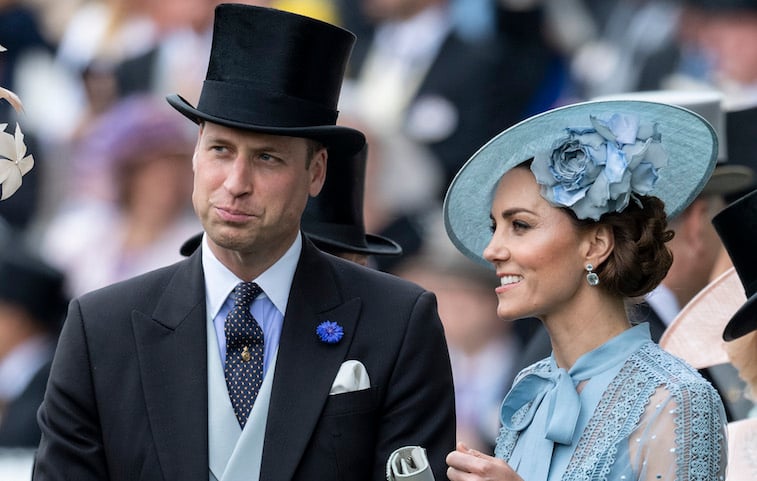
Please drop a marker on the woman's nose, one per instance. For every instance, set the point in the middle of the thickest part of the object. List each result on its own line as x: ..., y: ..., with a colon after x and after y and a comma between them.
x: 496, y: 250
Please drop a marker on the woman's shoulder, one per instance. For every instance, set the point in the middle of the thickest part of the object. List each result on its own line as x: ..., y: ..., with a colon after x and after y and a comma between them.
x: 669, y: 370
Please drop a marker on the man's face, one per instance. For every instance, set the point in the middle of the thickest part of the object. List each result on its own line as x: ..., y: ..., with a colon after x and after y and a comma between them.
x: 250, y: 190
x: 731, y: 39
x: 380, y: 10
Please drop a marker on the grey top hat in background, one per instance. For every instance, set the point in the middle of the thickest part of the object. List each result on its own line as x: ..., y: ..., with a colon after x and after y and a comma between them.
x: 275, y: 72
x: 333, y: 220
x: 727, y: 178
x: 737, y: 227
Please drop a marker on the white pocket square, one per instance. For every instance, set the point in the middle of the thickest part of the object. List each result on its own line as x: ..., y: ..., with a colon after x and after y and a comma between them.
x: 352, y: 376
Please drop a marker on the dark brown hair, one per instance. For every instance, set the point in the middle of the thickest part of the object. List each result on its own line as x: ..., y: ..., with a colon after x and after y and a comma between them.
x: 640, y: 259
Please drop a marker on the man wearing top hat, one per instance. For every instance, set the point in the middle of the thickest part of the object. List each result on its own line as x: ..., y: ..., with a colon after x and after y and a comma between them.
x: 258, y: 357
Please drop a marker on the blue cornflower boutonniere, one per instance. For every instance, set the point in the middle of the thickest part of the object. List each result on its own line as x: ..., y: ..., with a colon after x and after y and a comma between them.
x: 329, y: 332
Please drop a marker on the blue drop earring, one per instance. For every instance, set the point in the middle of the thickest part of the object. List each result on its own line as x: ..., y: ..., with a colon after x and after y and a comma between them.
x: 592, y: 278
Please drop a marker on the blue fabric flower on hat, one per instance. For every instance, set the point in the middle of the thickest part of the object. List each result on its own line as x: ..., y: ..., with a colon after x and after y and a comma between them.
x: 329, y: 332
x: 598, y: 169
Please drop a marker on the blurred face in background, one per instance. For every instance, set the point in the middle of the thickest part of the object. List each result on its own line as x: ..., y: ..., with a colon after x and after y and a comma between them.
x: 378, y: 10
x: 195, y: 14
x: 728, y: 39
x: 158, y: 186
x: 16, y: 325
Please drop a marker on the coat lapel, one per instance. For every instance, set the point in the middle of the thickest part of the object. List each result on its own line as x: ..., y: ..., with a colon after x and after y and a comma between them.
x: 306, y: 366
x: 171, y: 346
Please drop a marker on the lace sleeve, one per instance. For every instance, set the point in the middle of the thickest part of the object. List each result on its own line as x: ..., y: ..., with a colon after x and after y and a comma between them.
x: 681, y: 437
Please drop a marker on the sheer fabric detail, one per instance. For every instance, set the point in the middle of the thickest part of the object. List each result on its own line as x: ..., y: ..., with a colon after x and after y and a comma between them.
x: 657, y: 420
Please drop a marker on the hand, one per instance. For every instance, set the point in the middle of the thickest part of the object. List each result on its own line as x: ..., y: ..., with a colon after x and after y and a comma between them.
x: 467, y: 464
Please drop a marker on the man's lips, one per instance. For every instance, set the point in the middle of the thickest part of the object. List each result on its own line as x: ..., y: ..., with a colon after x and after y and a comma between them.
x: 232, y: 215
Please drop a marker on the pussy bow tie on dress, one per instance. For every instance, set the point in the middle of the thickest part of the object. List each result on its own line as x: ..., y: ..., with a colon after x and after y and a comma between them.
x: 555, y: 388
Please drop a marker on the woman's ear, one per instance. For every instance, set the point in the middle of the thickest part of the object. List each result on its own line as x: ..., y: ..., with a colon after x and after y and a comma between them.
x: 600, y: 243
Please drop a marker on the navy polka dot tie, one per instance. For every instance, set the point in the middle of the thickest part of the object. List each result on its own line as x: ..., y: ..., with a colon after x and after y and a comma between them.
x: 244, y: 351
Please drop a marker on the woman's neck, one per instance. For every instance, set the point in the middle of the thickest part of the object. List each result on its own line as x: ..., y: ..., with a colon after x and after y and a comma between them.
x: 573, y: 334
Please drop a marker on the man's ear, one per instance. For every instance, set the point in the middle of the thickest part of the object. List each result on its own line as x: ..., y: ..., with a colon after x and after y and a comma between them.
x: 317, y: 171
x: 693, y: 221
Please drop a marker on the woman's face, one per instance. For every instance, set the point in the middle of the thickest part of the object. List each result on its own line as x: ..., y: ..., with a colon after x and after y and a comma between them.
x: 538, y: 253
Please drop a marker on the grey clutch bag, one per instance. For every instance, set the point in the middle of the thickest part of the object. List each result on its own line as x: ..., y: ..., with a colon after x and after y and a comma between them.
x: 409, y: 463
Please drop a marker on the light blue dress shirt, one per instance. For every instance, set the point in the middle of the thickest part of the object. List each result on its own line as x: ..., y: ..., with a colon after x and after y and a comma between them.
x: 268, y: 309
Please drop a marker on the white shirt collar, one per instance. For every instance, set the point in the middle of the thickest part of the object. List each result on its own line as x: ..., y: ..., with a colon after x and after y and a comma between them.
x: 664, y: 303
x: 276, y: 281
x: 21, y: 364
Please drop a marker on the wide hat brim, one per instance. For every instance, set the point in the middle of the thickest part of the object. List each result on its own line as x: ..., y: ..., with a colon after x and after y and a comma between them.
x: 690, y: 142
x: 696, y: 332
x: 341, y: 141
x: 373, y: 244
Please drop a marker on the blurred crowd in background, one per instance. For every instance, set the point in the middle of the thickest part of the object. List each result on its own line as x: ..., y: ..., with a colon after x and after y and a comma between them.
x: 429, y: 82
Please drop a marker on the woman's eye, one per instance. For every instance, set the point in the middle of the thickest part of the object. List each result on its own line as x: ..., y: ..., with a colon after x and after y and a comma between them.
x: 492, y: 225
x: 520, y: 225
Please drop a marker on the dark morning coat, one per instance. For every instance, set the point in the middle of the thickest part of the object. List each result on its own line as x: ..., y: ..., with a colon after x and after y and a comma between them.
x: 127, y: 395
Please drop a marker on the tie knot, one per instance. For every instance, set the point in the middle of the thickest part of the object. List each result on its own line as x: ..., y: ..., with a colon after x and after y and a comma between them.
x: 245, y: 293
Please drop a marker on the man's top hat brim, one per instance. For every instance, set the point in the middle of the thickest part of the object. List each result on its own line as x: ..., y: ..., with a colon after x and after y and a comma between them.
x: 743, y: 322
x: 371, y: 245
x: 341, y: 141
x: 191, y: 245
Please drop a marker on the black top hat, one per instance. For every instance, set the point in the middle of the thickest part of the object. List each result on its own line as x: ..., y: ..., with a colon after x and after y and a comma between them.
x: 334, y: 219
x: 32, y: 284
x: 275, y: 72
x: 741, y: 130
x: 737, y: 227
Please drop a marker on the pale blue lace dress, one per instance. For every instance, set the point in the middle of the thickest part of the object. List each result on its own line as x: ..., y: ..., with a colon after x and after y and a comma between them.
x: 641, y: 414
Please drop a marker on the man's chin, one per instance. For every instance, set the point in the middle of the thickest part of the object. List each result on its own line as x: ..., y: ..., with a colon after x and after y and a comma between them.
x: 229, y: 238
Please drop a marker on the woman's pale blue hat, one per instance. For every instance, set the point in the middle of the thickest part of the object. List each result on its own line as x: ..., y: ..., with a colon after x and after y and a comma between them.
x: 688, y: 140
